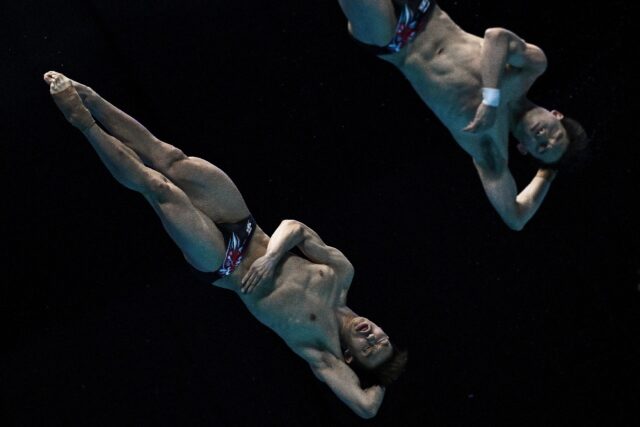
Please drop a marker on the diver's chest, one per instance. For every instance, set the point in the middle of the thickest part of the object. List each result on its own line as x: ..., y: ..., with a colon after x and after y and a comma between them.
x: 488, y: 147
x: 297, y: 308
x: 310, y: 326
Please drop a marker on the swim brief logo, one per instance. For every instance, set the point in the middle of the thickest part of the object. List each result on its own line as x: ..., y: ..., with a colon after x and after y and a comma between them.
x: 233, y: 256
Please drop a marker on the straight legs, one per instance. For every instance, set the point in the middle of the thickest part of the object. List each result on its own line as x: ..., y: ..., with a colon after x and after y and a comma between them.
x: 192, y: 230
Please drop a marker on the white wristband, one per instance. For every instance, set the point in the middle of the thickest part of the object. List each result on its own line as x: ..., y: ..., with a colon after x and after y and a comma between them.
x: 490, y: 96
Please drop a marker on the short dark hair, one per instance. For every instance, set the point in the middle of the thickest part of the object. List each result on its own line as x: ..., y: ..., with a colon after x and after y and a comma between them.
x: 576, y: 153
x: 385, y: 373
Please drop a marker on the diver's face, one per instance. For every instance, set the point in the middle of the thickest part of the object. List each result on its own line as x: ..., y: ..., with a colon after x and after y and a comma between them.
x: 542, y: 135
x: 366, y: 342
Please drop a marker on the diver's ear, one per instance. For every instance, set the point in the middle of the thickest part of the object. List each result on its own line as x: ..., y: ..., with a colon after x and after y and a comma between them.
x: 558, y: 115
x: 348, y: 357
x: 522, y: 149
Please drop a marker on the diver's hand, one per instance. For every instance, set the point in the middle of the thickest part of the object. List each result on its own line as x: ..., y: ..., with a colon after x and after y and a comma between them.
x: 484, y: 119
x: 548, y: 174
x: 260, y: 271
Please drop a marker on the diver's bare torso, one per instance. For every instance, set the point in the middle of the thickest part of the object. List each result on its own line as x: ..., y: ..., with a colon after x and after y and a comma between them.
x: 443, y: 66
x: 299, y: 304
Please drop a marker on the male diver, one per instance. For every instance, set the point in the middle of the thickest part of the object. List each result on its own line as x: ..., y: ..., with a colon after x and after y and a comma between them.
x: 477, y: 87
x: 302, y: 300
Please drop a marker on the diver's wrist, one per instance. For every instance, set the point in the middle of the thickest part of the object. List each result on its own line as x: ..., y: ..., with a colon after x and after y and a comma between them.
x: 547, y: 174
x: 491, y: 96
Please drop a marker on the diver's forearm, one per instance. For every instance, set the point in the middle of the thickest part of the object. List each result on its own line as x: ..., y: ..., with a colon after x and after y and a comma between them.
x: 375, y: 395
x: 368, y: 402
x: 494, y: 55
x: 530, y: 199
x: 288, y: 235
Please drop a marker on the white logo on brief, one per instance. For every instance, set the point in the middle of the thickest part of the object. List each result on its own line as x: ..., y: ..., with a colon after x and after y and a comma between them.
x: 424, y: 5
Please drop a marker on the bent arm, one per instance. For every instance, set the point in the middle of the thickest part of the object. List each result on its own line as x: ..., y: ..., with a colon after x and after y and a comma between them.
x: 346, y: 385
x: 514, y: 209
x: 292, y: 233
x: 500, y: 48
x: 289, y: 234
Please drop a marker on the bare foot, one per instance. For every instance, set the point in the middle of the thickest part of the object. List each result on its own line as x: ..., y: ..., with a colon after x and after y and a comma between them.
x: 68, y: 101
x: 56, y: 80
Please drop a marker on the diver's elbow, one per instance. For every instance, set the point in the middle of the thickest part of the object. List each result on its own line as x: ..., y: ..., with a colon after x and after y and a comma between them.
x: 514, y: 224
x: 367, y: 412
x: 517, y: 227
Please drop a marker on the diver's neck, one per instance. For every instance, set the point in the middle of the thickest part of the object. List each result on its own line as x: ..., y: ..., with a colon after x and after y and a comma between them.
x: 344, y: 315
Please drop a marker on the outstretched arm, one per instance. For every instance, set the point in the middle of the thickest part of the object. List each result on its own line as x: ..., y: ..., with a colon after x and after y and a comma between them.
x: 346, y: 385
x: 514, y: 209
x: 289, y: 234
x: 502, y: 48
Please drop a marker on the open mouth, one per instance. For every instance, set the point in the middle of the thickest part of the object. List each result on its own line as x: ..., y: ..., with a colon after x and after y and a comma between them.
x: 362, y: 327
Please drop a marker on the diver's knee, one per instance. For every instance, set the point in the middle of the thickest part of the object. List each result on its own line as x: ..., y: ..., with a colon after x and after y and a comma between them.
x: 172, y: 157
x: 160, y: 188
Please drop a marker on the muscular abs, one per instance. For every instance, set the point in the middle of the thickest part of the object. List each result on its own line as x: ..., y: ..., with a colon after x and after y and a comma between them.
x: 443, y: 66
x: 299, y: 304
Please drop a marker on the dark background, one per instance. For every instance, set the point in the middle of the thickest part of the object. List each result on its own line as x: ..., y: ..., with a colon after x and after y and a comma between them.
x: 105, y: 326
